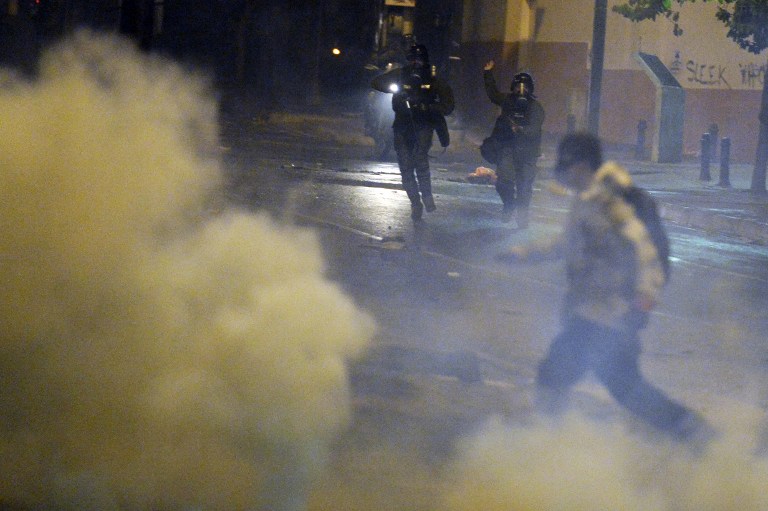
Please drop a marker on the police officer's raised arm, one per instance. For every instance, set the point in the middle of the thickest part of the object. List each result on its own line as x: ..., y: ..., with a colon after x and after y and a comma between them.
x: 494, y: 95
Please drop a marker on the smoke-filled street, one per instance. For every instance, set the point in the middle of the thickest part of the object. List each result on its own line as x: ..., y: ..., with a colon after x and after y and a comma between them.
x: 442, y: 399
x: 213, y: 314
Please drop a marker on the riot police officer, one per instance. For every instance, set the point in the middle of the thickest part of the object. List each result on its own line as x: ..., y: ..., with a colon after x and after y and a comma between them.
x: 421, y: 100
x: 518, y: 134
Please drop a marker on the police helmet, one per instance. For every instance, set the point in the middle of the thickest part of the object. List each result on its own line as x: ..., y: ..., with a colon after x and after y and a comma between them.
x: 523, y: 83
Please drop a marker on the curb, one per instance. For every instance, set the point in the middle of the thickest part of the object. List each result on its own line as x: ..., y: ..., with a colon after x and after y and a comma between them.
x: 697, y: 218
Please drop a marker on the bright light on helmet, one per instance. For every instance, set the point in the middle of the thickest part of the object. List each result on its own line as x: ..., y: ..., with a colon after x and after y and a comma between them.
x: 393, y: 87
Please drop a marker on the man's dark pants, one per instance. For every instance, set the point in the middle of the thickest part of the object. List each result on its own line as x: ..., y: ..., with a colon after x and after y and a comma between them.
x: 515, y: 175
x: 412, y: 145
x: 613, y: 356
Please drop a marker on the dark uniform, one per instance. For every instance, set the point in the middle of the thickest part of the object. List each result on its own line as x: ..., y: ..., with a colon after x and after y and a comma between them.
x: 421, y: 103
x: 518, y: 131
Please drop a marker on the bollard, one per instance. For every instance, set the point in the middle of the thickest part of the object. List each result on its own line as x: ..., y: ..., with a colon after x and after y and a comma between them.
x: 725, y: 169
x: 714, y: 136
x: 642, y: 125
x: 706, y: 153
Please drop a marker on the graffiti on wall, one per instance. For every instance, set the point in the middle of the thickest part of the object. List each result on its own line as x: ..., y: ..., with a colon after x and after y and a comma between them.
x: 706, y: 74
x: 752, y: 75
x: 749, y: 75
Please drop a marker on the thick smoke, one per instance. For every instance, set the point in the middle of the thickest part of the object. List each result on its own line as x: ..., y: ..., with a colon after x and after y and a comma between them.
x: 584, y: 464
x: 157, y: 351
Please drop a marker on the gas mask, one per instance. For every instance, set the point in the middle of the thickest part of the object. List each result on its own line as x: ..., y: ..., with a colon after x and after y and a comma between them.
x: 520, y: 93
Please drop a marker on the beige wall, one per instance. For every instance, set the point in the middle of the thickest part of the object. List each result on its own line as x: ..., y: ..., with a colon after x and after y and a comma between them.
x: 565, y: 20
x: 722, y: 81
x: 708, y: 58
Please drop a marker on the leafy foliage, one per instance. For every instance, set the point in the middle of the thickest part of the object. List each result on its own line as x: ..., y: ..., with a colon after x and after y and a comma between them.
x: 640, y: 10
x: 747, y: 24
x: 747, y: 20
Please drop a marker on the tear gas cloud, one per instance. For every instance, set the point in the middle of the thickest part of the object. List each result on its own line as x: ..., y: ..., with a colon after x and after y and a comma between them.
x: 161, y: 351
x: 578, y: 463
x: 158, y: 350
x: 585, y: 464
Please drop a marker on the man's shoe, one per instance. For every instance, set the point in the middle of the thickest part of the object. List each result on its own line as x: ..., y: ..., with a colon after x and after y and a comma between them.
x: 429, y: 203
x: 416, y: 211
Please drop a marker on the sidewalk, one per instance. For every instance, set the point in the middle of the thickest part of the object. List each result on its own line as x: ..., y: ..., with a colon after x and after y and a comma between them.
x: 684, y: 199
x: 688, y: 201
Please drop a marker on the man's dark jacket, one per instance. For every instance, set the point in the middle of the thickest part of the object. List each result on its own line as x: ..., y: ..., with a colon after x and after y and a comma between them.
x: 417, y: 102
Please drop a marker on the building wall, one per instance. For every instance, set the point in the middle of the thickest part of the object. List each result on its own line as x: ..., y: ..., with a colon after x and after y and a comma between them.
x: 734, y: 112
x: 562, y: 82
x: 552, y: 39
x: 472, y: 105
x: 628, y: 97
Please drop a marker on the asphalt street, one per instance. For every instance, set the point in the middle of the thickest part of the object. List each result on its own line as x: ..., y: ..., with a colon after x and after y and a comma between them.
x: 460, y: 335
x: 466, y: 233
